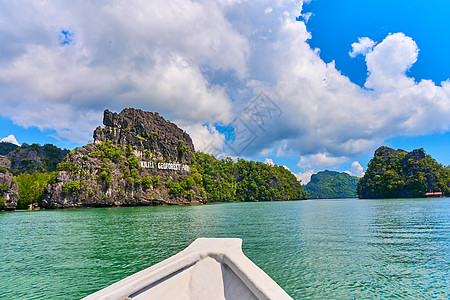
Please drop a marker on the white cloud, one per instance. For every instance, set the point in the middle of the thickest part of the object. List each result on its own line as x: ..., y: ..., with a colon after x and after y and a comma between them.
x: 206, y: 139
x: 320, y: 161
x: 118, y: 58
x: 10, y: 139
x: 304, y: 177
x: 269, y: 162
x: 388, y: 62
x: 307, y: 16
x: 324, y: 112
x: 363, y: 46
x: 356, y: 170
x: 188, y: 59
x: 268, y: 10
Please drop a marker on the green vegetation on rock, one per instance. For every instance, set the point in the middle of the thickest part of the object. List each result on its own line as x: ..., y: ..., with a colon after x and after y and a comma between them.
x: 32, y: 158
x: 71, y: 187
x: 6, y: 148
x: 31, y: 187
x: 399, y: 174
x: 331, y: 184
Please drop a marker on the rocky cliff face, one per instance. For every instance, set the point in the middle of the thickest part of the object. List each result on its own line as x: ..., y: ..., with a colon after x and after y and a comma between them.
x: 31, y: 158
x: 148, y: 133
x: 9, y: 190
x: 137, y: 159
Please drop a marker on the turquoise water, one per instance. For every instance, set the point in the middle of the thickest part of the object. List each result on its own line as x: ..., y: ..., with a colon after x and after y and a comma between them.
x: 315, y: 249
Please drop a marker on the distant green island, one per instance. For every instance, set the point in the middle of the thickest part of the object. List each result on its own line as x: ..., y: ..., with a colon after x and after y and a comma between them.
x: 401, y: 174
x: 138, y: 158
x: 331, y: 184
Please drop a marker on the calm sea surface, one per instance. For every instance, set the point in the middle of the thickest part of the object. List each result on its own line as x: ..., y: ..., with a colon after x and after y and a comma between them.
x: 315, y: 249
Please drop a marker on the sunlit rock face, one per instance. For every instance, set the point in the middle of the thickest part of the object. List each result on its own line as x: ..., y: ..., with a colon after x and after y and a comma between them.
x: 138, y: 158
x: 146, y: 132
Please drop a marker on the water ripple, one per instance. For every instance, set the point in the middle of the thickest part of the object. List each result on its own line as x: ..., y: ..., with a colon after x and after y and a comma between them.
x: 321, y: 249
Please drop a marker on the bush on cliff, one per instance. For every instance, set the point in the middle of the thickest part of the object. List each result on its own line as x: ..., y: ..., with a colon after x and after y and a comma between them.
x: 31, y: 187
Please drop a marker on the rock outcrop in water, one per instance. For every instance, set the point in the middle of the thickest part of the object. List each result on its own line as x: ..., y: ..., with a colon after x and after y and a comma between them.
x: 9, y: 190
x: 139, y: 158
x: 331, y: 184
x: 399, y: 174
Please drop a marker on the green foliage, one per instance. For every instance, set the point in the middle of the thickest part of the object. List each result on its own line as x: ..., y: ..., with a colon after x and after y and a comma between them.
x: 72, y: 187
x: 106, y: 177
x: 26, y: 165
x: 187, y: 183
x: 225, y: 180
x: 52, y: 157
x: 34, y: 147
x: 148, y: 182
x: 153, y: 135
x: 5, y: 148
x: 156, y: 182
x: 110, y: 152
x: 135, y: 177
x: 182, y: 147
x: 3, y: 187
x: 129, y: 150
x: 330, y: 184
x: 68, y: 166
x: 133, y: 162
x: 31, y: 187
x: 399, y: 174
x: 175, y: 189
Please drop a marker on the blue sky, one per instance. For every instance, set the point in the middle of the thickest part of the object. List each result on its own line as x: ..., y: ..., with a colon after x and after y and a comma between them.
x: 426, y: 22
x: 310, y: 85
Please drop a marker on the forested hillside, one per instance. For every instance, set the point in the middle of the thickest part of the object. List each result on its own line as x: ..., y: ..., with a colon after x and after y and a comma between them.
x: 331, y: 184
x: 399, y: 174
x: 225, y: 180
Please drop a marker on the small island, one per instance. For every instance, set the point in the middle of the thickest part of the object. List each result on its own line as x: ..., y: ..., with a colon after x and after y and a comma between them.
x: 331, y: 184
x: 401, y: 174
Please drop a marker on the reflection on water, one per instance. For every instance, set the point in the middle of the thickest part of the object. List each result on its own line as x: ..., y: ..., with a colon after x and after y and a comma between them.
x: 318, y: 249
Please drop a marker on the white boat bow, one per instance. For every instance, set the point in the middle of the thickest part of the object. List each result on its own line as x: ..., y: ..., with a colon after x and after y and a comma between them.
x: 210, y: 268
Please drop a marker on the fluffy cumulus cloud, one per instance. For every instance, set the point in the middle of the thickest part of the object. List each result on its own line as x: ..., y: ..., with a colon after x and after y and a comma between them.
x: 10, y: 139
x: 269, y: 162
x: 201, y: 63
x: 63, y: 63
x: 363, y: 46
x: 304, y: 177
x: 356, y: 170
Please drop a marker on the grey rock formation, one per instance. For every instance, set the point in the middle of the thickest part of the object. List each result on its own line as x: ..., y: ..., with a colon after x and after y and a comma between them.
x: 5, y: 163
x: 146, y: 131
x: 9, y: 190
x: 109, y: 172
